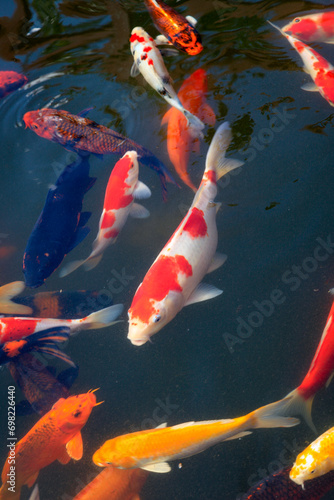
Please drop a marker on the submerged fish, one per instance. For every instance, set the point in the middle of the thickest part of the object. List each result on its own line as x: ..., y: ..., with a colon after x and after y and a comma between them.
x: 56, y: 436
x: 123, y: 187
x: 9, y: 81
x: 149, y: 62
x: 61, y: 224
x: 179, y: 141
x: 80, y: 134
x: 319, y: 69
x: 317, y: 27
x: 174, y: 279
x: 316, y: 460
x: 177, y: 30
x: 152, y: 449
x: 114, y: 484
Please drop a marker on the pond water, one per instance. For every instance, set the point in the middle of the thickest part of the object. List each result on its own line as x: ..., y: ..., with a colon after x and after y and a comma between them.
x: 75, y: 55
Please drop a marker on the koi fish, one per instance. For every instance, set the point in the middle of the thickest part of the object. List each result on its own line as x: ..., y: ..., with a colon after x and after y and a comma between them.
x: 280, y: 487
x: 312, y: 27
x: 56, y: 436
x: 61, y: 224
x: 44, y: 341
x: 114, y: 484
x: 7, y: 292
x: 15, y: 328
x: 9, y: 81
x: 316, y: 460
x: 7, y: 251
x: 123, y: 187
x: 319, y: 374
x: 39, y: 385
x: 319, y: 69
x: 176, y: 29
x: 149, y: 62
x: 174, y: 279
x: 79, y: 134
x: 179, y: 141
x: 152, y: 449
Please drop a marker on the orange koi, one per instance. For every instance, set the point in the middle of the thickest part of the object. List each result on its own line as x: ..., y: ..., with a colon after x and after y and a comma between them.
x: 56, y: 436
x: 179, y: 141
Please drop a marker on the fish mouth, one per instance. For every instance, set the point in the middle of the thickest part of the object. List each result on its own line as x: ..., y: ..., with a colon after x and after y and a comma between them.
x: 138, y: 341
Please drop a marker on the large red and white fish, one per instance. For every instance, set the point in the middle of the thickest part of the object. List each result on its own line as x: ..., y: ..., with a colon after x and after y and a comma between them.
x: 319, y: 374
x: 152, y: 449
x: 15, y: 328
x: 122, y: 189
x: 319, y: 69
x: 56, y: 436
x: 179, y: 141
x: 317, y: 27
x: 149, y: 62
x: 174, y: 279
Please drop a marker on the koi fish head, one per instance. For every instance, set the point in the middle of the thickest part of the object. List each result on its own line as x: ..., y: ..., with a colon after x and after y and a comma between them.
x: 141, y: 331
x: 189, y: 41
x: 112, y: 453
x: 302, y: 27
x: 73, y: 412
x: 126, y: 171
x: 43, y: 122
x: 309, y: 464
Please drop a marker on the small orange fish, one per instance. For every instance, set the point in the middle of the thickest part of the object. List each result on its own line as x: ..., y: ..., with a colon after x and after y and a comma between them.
x: 114, y: 484
x: 152, y: 449
x: 56, y: 436
x: 179, y: 140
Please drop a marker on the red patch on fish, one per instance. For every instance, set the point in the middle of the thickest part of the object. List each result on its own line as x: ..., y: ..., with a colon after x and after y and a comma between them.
x: 211, y: 176
x: 327, y: 23
x: 108, y: 219
x: 196, y: 225
x: 113, y: 233
x: 115, y: 197
x: 306, y: 27
x: 299, y: 46
x: 320, y: 64
x: 16, y: 328
x: 162, y: 278
x: 325, y: 81
x: 136, y: 38
x: 147, y: 49
x: 150, y: 62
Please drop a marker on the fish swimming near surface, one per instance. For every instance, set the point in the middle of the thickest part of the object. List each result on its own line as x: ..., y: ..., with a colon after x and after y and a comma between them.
x: 82, y: 135
x: 56, y: 436
x: 174, y: 279
x: 279, y: 486
x: 38, y: 383
x: 175, y: 28
x: 151, y: 450
x: 10, y: 81
x: 15, y: 328
x: 114, y: 484
x: 179, y: 141
x: 61, y: 224
x: 149, y: 62
x: 7, y: 292
x: 123, y: 187
x: 317, y: 27
x: 319, y: 69
x: 319, y: 374
x: 316, y: 460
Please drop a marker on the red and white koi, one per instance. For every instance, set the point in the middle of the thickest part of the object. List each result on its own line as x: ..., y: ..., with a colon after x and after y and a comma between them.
x: 317, y: 27
x: 320, y: 70
x: 123, y: 187
x: 149, y: 62
x: 174, y: 279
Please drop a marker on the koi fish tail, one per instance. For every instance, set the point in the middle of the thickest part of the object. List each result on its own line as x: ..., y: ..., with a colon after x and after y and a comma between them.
x: 101, y: 319
x: 297, y: 405
x: 7, y: 292
x: 35, y: 493
x: 92, y: 262
x: 70, y: 267
x: 215, y: 158
x: 272, y: 415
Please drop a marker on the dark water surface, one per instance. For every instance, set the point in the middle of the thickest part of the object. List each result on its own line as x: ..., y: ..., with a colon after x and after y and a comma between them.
x: 75, y: 55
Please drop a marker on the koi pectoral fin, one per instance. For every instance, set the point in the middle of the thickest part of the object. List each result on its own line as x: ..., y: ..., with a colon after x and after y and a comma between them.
x: 218, y: 260
x: 134, y: 70
x: 161, y: 468
x: 310, y: 87
x: 203, y: 292
x: 75, y: 447
x: 191, y: 20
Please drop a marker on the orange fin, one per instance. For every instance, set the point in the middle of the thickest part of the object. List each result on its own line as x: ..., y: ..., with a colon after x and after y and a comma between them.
x: 64, y: 458
x: 207, y: 115
x: 75, y: 447
x: 167, y: 116
x: 31, y: 480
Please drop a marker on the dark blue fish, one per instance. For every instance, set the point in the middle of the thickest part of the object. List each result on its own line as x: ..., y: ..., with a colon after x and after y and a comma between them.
x: 61, y: 225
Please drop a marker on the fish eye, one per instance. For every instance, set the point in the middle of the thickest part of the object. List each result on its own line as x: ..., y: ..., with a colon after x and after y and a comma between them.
x: 297, y: 20
x: 157, y: 318
x: 312, y: 471
x: 77, y: 413
x: 34, y: 126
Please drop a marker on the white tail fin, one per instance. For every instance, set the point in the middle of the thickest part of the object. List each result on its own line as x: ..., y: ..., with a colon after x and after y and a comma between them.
x: 92, y: 262
x: 272, y: 415
x: 7, y: 292
x: 70, y: 267
x: 105, y: 317
x: 295, y: 404
x: 35, y: 493
x: 215, y: 157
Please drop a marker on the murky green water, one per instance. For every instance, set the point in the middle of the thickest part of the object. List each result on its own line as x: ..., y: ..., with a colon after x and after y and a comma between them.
x: 76, y: 54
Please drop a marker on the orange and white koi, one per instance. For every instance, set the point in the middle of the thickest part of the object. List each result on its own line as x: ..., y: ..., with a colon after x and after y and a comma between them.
x: 153, y: 449
x: 320, y: 70
x: 123, y: 187
x: 15, y: 328
x: 317, y: 459
x: 149, y: 62
x: 317, y: 27
x: 174, y: 279
x: 56, y: 436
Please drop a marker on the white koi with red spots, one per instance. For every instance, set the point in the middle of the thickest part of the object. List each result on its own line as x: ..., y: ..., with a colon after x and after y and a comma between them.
x: 317, y: 27
x: 123, y: 187
x: 149, y: 62
x: 319, y: 69
x: 174, y: 279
